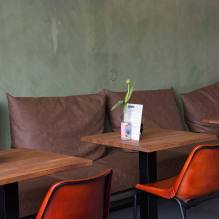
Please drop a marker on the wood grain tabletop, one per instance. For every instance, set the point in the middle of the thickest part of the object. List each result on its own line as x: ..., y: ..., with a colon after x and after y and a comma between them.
x: 211, y: 120
x: 22, y: 164
x: 152, y: 139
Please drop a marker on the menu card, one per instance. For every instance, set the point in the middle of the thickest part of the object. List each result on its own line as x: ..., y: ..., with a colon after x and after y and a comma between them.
x: 133, y: 115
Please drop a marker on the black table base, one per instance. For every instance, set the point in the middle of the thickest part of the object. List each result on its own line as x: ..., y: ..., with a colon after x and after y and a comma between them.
x: 148, y: 174
x: 9, y: 203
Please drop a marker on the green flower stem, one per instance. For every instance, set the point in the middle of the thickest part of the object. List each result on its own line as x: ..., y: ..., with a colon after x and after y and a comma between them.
x: 123, y: 103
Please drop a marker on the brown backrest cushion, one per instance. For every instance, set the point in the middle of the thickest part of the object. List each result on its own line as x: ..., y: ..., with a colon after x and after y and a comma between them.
x: 202, y: 104
x: 57, y: 123
x: 159, y: 108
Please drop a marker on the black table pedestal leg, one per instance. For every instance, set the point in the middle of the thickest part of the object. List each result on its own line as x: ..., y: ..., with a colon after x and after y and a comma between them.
x: 9, y: 203
x: 148, y: 173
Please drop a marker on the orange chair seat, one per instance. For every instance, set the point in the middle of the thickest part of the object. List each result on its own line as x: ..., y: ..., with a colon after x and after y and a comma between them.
x: 163, y: 188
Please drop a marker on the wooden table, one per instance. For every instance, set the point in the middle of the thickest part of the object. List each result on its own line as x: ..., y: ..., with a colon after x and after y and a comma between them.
x: 212, y: 120
x: 21, y: 164
x: 152, y: 140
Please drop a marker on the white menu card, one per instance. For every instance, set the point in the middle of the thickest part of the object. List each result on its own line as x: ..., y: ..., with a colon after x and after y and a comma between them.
x: 133, y: 115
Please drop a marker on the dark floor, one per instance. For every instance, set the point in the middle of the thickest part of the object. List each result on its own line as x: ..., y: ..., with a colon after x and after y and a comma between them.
x: 169, y: 210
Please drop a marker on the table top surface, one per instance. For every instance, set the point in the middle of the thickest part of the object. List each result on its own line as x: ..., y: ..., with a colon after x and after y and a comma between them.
x: 212, y: 120
x: 22, y: 164
x: 152, y: 139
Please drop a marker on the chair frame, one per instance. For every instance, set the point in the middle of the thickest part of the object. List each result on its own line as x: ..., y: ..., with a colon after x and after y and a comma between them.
x: 183, y: 206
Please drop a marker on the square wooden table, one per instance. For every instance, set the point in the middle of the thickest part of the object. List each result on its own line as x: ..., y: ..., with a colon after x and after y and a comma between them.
x: 152, y: 140
x: 21, y: 164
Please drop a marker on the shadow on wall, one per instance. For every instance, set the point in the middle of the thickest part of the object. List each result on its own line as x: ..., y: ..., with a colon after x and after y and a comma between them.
x: 4, y: 126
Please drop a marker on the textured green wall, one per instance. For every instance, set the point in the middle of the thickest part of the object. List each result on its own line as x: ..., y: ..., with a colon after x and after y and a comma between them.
x: 65, y: 47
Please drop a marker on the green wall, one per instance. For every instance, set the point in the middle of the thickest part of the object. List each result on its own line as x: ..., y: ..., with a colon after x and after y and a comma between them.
x: 65, y: 47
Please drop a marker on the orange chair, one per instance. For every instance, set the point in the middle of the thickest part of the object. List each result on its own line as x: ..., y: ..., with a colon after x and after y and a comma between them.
x: 78, y: 199
x: 198, y: 180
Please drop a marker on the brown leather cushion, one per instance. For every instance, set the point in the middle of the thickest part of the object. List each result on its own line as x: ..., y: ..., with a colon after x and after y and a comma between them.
x: 124, y: 174
x: 201, y: 104
x: 159, y: 108
x: 57, y: 123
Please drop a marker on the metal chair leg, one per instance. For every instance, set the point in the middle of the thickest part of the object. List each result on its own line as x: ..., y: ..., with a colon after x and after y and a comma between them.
x: 182, y: 208
x: 135, y: 210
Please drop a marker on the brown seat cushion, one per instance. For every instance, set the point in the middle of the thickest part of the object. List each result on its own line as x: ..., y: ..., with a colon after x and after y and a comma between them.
x: 125, y: 176
x: 159, y: 108
x: 199, y: 105
x: 32, y: 193
x: 56, y: 123
x: 125, y: 167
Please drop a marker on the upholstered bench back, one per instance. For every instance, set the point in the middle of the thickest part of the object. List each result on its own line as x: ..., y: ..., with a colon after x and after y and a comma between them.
x: 202, y: 104
x: 57, y: 123
x: 159, y: 108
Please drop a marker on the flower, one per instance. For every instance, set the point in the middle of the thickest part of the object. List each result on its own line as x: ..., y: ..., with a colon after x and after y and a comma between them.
x: 127, y: 97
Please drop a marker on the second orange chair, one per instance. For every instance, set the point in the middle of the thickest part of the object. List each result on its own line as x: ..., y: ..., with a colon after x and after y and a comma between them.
x: 78, y: 199
x: 197, y: 181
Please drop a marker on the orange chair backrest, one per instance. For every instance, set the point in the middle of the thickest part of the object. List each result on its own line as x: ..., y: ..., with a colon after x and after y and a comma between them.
x: 200, y: 173
x: 78, y: 199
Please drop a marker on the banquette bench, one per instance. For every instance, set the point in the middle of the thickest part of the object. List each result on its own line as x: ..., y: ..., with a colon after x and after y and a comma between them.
x: 57, y: 123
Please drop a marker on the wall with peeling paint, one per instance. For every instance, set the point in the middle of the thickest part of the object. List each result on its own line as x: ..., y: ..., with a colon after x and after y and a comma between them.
x: 53, y: 47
